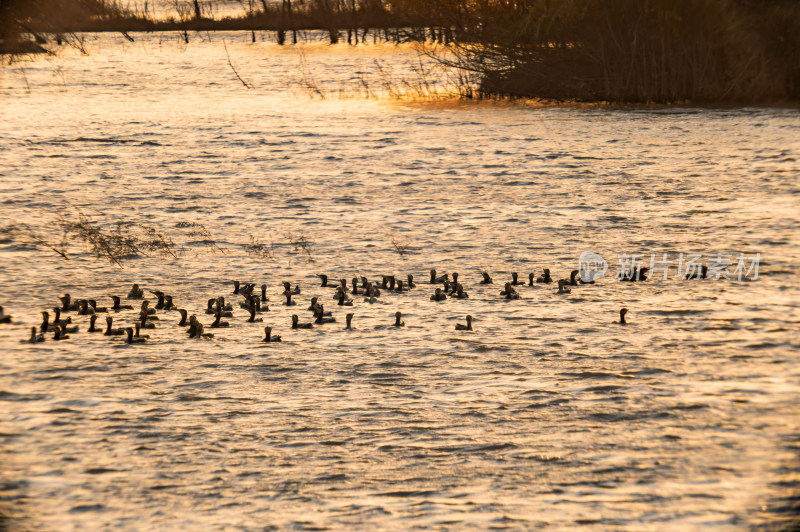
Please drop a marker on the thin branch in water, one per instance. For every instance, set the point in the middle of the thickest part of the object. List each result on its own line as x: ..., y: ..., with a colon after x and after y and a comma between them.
x: 233, y: 68
x: 400, y: 247
x: 25, y: 234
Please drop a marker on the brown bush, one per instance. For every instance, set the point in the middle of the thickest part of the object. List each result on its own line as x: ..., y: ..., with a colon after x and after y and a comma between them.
x: 629, y: 50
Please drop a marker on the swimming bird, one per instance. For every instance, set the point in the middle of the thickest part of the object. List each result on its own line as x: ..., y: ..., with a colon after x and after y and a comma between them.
x: 46, y: 325
x: 438, y: 295
x: 486, y: 278
x: 210, y: 308
x: 57, y: 318
x: 168, y: 304
x: 530, y: 279
x: 354, y: 282
x: 145, y: 309
x: 257, y: 303
x: 117, y: 307
x: 640, y: 274
x: 288, y: 302
x: 92, y: 321
x: 252, y: 318
x: 297, y: 325
x: 136, y: 292
x: 324, y: 279
x: 160, y: 295
x: 268, y: 336
x: 192, y: 326
x: 247, y: 290
x: 264, y: 297
x: 138, y: 329
x: 84, y: 309
x: 144, y: 324
x: 509, y: 292
x: 93, y: 304
x: 67, y: 304
x: 217, y: 323
x: 460, y: 293
x: 622, y: 313
x: 371, y: 293
x: 573, y: 281
x: 288, y: 288
x: 200, y: 333
x: 35, y: 338
x: 184, y: 314
x: 112, y: 332
x: 410, y: 281
x: 348, y: 318
x: 4, y: 318
x: 225, y: 307
x: 60, y: 334
x: 437, y: 280
x: 563, y: 287
x: 397, y: 322
x: 130, y: 338
x: 694, y: 274
x: 322, y: 316
x: 545, y: 278
x: 344, y: 301
x: 467, y: 327
x: 236, y: 287
x: 400, y: 286
x: 515, y: 279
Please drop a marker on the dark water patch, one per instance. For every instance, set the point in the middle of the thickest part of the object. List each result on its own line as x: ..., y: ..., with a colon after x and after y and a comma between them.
x: 87, y: 508
x: 331, y: 477
x: 408, y: 493
x: 694, y: 406
x: 163, y: 487
x: 614, y: 417
x: 11, y: 396
x: 605, y: 389
x: 195, y: 398
x: 596, y: 375
x: 766, y: 345
x: 546, y: 404
x: 103, y: 470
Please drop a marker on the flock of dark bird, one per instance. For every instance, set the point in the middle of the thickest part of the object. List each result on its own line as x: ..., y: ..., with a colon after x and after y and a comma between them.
x: 256, y: 303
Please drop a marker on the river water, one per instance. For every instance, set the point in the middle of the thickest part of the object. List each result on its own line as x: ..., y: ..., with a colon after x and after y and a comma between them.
x: 548, y: 414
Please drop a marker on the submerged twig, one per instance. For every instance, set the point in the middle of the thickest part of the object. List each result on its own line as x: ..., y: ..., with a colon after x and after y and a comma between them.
x: 233, y: 68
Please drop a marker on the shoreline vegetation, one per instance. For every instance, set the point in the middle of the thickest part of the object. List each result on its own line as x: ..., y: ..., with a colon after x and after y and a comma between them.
x: 726, y: 52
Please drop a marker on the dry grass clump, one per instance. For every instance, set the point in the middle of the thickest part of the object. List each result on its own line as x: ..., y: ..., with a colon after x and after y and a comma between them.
x: 300, y: 244
x: 127, y: 240
x: 260, y: 249
x: 400, y: 246
x: 199, y: 230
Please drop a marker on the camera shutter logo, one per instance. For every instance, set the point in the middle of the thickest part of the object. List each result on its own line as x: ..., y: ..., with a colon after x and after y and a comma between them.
x: 591, y: 266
